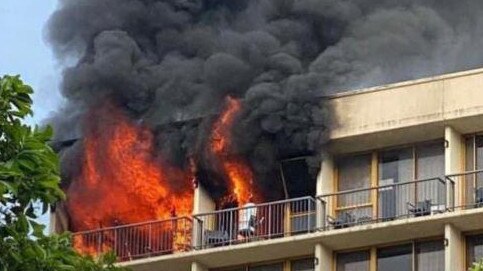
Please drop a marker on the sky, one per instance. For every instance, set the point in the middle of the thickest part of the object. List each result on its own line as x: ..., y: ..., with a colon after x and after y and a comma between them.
x: 24, y: 51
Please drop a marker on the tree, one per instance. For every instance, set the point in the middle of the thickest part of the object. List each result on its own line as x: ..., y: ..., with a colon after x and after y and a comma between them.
x: 477, y: 266
x: 29, y: 173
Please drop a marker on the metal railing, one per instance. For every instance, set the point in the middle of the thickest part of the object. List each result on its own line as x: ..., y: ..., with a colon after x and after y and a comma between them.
x: 255, y: 222
x: 471, y: 189
x: 136, y: 241
x: 385, y: 203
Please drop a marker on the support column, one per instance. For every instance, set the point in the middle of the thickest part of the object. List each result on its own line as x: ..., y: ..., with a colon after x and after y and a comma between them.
x: 202, y: 203
x: 325, y: 185
x: 195, y: 266
x: 454, y: 249
x: 454, y: 154
x: 58, y: 219
x: 323, y: 258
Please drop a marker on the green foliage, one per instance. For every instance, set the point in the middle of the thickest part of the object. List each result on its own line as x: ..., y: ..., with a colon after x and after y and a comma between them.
x: 477, y: 266
x: 29, y: 173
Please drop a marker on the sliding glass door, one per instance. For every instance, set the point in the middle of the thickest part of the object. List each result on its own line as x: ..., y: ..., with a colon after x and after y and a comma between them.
x: 395, y: 166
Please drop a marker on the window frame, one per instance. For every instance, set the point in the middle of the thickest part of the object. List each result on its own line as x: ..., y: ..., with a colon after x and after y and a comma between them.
x: 374, y: 168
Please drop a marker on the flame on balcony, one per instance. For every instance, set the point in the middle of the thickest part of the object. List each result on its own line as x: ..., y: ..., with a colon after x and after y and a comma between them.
x: 123, y: 181
x: 237, y: 172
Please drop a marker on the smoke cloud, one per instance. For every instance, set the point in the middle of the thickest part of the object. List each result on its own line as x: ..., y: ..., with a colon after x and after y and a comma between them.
x: 171, y: 63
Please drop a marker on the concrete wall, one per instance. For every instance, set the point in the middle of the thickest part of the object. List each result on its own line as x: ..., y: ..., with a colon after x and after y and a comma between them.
x: 454, y: 161
x: 404, y: 112
x: 202, y: 201
x: 454, y: 249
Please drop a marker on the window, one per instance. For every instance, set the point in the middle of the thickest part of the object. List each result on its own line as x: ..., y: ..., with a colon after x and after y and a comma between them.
x: 353, y: 261
x: 430, y: 256
x: 430, y: 160
x: 430, y: 164
x: 303, y: 265
x: 297, y: 178
x: 395, y: 166
x: 398, y: 195
x: 263, y: 267
x: 474, y: 161
x: 269, y: 267
x: 415, y: 256
x: 474, y: 249
x: 354, y: 173
x: 398, y: 258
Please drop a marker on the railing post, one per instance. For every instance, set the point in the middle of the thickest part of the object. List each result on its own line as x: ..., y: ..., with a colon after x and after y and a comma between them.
x: 310, y: 209
x: 150, y: 237
x: 269, y: 225
x: 115, y: 243
x: 99, y: 243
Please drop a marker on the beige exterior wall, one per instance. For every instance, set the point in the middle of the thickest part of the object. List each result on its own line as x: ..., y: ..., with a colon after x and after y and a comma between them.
x: 198, y: 267
x: 202, y: 204
x: 406, y: 112
x: 323, y: 258
x: 202, y: 201
x: 454, y: 250
x: 454, y: 161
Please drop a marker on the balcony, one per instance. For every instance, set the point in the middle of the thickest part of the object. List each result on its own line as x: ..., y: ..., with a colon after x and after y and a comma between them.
x: 137, y: 241
x: 471, y: 186
x: 266, y: 221
x: 386, y: 203
x: 256, y: 222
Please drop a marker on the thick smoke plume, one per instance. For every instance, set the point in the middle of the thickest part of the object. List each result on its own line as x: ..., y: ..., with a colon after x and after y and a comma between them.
x: 172, y: 63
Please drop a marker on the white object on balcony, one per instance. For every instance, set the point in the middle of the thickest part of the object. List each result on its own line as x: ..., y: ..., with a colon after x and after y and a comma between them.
x: 247, y: 219
x: 437, y: 209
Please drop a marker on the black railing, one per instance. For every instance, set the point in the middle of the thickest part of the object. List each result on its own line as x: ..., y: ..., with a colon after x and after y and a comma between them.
x: 471, y: 189
x: 255, y: 222
x: 136, y: 241
x: 385, y: 203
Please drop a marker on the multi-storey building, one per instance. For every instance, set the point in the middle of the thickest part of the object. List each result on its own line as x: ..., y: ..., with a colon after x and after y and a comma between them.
x: 400, y: 188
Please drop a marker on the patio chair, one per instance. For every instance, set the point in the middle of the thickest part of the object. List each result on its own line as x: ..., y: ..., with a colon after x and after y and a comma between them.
x: 343, y: 220
x: 479, y: 197
x: 421, y: 208
x: 215, y: 238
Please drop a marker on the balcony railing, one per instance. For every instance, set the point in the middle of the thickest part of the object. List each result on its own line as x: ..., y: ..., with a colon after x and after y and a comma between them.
x: 137, y: 240
x: 256, y: 222
x: 385, y: 203
x: 471, y: 185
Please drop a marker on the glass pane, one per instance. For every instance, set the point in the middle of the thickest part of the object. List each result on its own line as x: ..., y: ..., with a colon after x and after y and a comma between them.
x: 270, y: 267
x: 474, y: 249
x: 430, y: 256
x: 395, y: 258
x: 430, y: 160
x: 430, y: 164
x: 395, y: 166
x: 478, y: 192
x: 469, y: 154
x: 354, y: 172
x: 353, y: 261
x: 303, y: 265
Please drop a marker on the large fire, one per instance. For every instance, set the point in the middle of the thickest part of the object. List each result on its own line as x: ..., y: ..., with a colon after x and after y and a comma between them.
x: 123, y: 181
x: 237, y: 172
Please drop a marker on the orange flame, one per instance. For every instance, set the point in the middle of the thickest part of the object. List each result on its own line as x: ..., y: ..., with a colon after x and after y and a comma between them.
x: 239, y: 175
x: 122, y: 181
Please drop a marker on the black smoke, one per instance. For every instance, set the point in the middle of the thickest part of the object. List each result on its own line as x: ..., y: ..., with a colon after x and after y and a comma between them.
x: 171, y: 63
